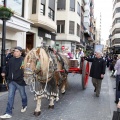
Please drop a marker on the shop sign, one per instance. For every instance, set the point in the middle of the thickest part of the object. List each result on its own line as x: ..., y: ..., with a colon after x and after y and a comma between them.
x: 47, y: 35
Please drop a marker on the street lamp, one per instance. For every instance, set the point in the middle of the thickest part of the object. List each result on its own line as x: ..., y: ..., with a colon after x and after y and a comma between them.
x: 5, y: 14
x: 3, y: 61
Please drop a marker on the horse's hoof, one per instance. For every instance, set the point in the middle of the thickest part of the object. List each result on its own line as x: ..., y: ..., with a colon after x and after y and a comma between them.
x: 63, y: 92
x: 57, y: 99
x: 37, y: 113
x: 51, y: 107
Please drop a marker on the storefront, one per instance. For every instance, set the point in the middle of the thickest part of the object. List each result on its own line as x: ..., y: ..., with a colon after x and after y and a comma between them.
x: 48, y: 37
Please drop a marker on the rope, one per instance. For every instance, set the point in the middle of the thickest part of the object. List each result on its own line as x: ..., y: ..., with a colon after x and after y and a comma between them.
x: 32, y: 87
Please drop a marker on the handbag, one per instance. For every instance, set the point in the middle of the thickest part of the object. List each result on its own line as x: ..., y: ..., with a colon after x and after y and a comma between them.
x: 116, y: 114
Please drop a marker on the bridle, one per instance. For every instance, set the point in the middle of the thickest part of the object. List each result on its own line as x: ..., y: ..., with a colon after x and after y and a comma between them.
x: 32, y: 76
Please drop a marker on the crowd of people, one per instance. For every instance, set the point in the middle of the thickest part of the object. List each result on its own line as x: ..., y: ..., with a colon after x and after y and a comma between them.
x: 14, y: 73
x: 75, y: 54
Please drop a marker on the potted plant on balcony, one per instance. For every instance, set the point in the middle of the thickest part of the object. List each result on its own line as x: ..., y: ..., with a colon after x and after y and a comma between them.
x: 5, y: 13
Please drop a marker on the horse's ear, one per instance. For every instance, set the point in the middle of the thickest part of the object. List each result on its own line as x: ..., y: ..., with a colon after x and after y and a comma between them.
x: 38, y: 51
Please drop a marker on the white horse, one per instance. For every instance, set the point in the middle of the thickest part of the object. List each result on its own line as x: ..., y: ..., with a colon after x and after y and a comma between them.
x: 42, y: 72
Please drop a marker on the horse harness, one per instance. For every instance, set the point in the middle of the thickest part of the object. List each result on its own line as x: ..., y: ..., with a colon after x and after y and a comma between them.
x: 52, y: 67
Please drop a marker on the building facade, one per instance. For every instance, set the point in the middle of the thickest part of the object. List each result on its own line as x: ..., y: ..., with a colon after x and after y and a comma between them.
x: 33, y: 23
x: 58, y: 23
x: 68, y: 24
x: 89, y: 23
x: 17, y: 26
x: 42, y: 14
x: 116, y: 23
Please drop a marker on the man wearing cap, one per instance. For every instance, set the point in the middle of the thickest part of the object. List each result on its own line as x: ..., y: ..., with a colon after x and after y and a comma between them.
x: 15, y: 79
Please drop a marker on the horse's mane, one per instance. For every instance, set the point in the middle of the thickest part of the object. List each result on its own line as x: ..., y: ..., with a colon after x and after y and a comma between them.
x: 44, y: 61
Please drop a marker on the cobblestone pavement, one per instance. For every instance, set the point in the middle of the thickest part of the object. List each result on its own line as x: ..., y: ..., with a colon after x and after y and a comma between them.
x: 75, y: 104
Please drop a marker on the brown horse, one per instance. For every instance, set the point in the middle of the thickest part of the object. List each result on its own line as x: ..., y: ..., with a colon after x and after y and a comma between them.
x: 42, y: 72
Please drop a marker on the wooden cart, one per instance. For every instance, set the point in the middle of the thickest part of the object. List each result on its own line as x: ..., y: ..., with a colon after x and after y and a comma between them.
x: 81, y: 67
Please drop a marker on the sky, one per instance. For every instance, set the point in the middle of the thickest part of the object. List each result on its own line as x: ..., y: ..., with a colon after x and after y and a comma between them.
x: 105, y: 8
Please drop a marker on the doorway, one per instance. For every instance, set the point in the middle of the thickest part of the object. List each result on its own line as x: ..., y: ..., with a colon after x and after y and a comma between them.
x: 29, y: 40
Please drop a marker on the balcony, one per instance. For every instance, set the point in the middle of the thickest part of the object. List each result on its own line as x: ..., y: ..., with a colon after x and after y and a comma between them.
x: 44, y: 22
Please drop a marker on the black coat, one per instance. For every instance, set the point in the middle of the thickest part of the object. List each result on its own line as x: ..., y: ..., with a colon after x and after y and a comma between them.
x: 97, y: 68
x: 14, y: 71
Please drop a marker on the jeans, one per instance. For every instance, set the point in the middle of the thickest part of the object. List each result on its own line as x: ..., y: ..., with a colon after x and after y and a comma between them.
x: 117, y: 87
x: 13, y: 86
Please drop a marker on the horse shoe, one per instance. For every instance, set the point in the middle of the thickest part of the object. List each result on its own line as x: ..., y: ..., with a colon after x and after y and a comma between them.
x: 51, y: 107
x: 37, y: 113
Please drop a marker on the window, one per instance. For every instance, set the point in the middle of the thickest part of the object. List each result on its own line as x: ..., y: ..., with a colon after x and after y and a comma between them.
x: 15, y: 5
x: 72, y: 5
x: 61, y: 4
x: 78, y: 8
x: 71, y: 27
x: 78, y: 30
x: 61, y: 26
x: 51, y: 14
x: 116, y: 31
x: 51, y: 8
x: 34, y: 2
x: 42, y: 9
x: 117, y: 9
x: 116, y: 41
x: 117, y: 20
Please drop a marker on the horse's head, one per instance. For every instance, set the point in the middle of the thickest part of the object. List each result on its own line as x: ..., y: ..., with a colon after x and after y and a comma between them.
x: 31, y: 64
x: 35, y: 63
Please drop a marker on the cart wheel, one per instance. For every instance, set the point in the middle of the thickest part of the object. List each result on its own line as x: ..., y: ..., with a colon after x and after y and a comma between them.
x: 85, y: 74
x: 81, y: 64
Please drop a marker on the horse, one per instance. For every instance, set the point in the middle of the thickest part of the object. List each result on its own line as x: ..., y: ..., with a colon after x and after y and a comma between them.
x: 42, y: 73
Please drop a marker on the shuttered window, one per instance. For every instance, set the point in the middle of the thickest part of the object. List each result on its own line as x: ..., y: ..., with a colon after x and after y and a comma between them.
x: 72, y: 5
x: 61, y: 4
x: 78, y: 8
x: 51, y: 9
x: 61, y: 26
x: 43, y: 2
x: 71, y: 27
x: 34, y: 2
x: 42, y: 7
x: 52, y: 4
x: 78, y: 30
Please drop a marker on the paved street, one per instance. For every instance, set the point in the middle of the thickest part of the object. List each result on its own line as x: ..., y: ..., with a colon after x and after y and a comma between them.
x: 76, y: 104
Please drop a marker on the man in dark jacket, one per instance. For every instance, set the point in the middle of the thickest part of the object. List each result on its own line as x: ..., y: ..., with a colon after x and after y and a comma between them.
x: 97, y: 71
x: 15, y: 75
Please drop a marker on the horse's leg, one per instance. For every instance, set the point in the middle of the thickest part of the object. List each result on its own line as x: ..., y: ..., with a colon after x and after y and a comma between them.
x: 51, y: 104
x: 37, y: 111
x: 57, y: 97
x: 63, y: 87
x: 64, y: 83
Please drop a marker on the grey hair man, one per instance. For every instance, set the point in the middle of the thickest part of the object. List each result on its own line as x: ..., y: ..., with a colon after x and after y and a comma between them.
x: 97, y: 71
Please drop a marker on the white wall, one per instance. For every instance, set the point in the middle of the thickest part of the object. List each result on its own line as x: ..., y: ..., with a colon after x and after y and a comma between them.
x: 68, y: 15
